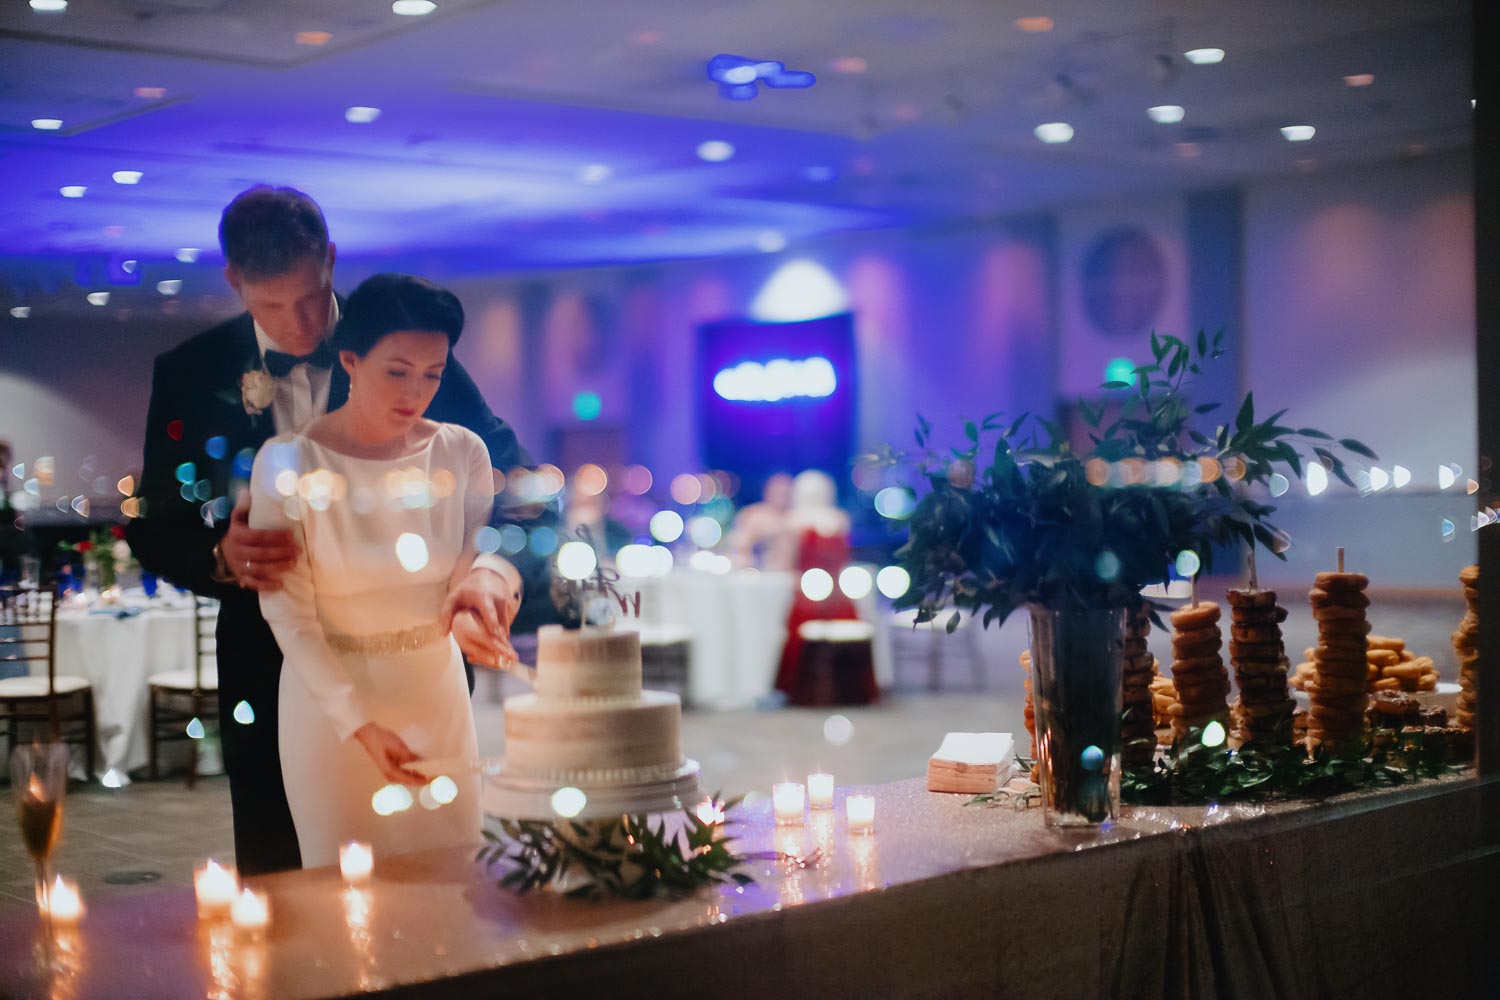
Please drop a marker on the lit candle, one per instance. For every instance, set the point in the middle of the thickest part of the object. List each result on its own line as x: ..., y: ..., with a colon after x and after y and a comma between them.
x: 820, y: 791
x: 251, y: 912
x: 215, y: 885
x: 62, y: 903
x: 787, y: 799
x: 861, y: 813
x: 356, y: 861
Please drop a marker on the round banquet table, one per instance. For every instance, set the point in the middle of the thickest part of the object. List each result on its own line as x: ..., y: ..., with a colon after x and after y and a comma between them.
x: 737, y: 624
x: 116, y: 648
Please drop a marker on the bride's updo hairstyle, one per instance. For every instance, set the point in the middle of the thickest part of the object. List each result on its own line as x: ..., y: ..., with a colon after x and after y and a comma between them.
x: 389, y: 303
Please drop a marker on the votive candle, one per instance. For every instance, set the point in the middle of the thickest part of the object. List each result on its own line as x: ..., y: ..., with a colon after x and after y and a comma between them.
x: 787, y: 799
x: 820, y: 791
x: 251, y: 911
x: 62, y: 904
x: 215, y: 885
x: 356, y: 861
x: 861, y: 813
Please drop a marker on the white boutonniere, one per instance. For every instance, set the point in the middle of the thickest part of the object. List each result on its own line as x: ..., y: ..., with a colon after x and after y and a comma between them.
x: 256, y: 391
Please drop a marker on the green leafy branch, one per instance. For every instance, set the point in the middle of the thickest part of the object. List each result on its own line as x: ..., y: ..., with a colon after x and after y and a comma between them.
x: 630, y: 857
x: 1193, y: 774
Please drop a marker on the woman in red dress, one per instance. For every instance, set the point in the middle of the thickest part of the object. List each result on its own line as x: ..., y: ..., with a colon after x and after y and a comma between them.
x: 820, y: 532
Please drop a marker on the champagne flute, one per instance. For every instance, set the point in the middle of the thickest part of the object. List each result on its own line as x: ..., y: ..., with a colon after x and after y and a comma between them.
x: 39, y: 777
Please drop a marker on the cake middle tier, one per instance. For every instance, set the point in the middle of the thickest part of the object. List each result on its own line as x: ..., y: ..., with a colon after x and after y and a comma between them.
x: 573, y: 743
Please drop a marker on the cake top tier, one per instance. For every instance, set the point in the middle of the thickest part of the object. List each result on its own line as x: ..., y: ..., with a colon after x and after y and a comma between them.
x: 588, y: 663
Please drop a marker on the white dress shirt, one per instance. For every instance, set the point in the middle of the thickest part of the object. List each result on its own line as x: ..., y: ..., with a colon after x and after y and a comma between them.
x: 302, y: 393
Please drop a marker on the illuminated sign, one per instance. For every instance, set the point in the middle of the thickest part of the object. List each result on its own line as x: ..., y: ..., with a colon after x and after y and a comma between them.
x: 774, y: 381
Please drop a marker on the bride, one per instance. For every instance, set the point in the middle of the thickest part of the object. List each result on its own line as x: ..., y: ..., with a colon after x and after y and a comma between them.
x: 384, y: 505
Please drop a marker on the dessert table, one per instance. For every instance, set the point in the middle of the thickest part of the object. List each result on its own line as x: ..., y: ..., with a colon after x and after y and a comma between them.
x: 117, y: 647
x: 1371, y: 893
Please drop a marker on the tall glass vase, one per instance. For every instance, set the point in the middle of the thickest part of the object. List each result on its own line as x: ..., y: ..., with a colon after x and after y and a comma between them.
x: 1075, y: 680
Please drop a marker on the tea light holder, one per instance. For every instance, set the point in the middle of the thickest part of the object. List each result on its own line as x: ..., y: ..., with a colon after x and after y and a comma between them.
x: 861, y: 812
x: 250, y: 912
x: 356, y: 862
x: 820, y: 791
x: 215, y: 886
x: 61, y: 903
x: 787, y: 800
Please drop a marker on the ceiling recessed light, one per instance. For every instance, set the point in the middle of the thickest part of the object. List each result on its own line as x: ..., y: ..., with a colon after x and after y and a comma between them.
x: 169, y: 287
x: 1204, y: 57
x: 98, y: 298
x: 49, y: 6
x: 127, y: 176
x: 1360, y: 79
x: 313, y: 38
x: 1166, y: 114
x: 1034, y: 24
x: 360, y: 115
x: 151, y: 93
x: 413, y: 8
x: 715, y: 150
x: 72, y: 191
x: 129, y: 266
x: 20, y: 312
x: 1298, y: 133
x: 46, y: 124
x: 1054, y: 132
x: 188, y: 255
x: 594, y: 173
x: 770, y: 241
x: 849, y: 64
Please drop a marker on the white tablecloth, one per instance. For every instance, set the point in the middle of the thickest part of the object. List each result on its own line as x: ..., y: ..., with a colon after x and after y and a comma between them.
x: 738, y: 626
x: 116, y: 654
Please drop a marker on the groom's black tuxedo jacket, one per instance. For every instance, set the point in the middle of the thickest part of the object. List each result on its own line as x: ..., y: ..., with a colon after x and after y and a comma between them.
x: 195, y: 399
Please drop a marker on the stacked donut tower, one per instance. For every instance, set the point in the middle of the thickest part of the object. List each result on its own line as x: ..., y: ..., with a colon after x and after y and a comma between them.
x: 1138, y: 731
x: 1264, y: 710
x: 1029, y: 715
x: 1198, y: 673
x: 1337, y: 691
x: 1466, y: 645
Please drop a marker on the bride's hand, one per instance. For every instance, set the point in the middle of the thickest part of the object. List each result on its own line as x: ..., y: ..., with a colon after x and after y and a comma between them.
x: 489, y: 599
x: 480, y: 645
x: 390, y: 754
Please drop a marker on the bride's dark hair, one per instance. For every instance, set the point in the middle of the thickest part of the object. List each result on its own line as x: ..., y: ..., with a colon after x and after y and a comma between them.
x: 387, y: 303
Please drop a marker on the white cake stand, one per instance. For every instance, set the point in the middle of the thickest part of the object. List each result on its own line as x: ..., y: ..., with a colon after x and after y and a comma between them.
x: 506, y: 797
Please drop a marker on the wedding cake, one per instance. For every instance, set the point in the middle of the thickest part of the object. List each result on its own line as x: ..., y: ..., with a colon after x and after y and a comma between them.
x: 589, y: 723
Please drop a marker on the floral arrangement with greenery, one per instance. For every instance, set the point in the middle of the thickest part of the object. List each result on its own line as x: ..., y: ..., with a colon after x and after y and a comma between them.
x: 106, y: 551
x: 1017, y: 517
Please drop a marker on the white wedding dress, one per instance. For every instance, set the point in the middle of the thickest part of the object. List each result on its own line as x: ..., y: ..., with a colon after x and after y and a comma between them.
x: 357, y: 623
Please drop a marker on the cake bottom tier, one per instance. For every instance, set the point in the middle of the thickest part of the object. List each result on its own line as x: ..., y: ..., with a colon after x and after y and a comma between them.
x: 592, y: 743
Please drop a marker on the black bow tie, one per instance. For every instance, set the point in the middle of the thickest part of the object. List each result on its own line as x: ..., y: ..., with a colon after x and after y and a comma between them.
x: 280, y: 364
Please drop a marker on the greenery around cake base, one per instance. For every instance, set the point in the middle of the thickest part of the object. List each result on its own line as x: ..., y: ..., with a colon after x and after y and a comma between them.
x: 626, y: 857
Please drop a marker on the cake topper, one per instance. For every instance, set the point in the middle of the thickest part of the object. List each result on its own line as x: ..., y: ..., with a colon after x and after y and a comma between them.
x: 584, y: 591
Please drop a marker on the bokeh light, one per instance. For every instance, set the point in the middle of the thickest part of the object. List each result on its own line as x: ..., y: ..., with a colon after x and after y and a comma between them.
x: 444, y: 789
x: 856, y: 582
x: 895, y: 502
x: 893, y: 582
x: 587, y: 406
x: 838, y: 730
x: 391, y: 799
x: 1188, y: 564
x: 817, y: 584
x: 576, y: 560
x: 636, y: 561
x: 411, y: 550
x: 705, y: 532
x: 569, y: 802
x: 666, y: 525
x: 686, y: 489
x: 591, y: 480
x: 1213, y: 734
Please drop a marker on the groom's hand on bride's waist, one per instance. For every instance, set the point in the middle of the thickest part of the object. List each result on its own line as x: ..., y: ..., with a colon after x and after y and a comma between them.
x: 251, y: 557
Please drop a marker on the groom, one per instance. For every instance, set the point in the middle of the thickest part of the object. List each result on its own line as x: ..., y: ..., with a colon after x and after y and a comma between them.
x: 215, y: 399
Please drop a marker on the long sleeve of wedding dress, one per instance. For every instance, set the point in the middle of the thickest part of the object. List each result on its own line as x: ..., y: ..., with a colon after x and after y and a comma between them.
x: 358, y: 621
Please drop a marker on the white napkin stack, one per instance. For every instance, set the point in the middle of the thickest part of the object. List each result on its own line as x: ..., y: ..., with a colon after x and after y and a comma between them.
x: 971, y: 763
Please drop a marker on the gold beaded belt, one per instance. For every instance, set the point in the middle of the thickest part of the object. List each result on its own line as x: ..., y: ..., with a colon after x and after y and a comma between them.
x: 405, y: 640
